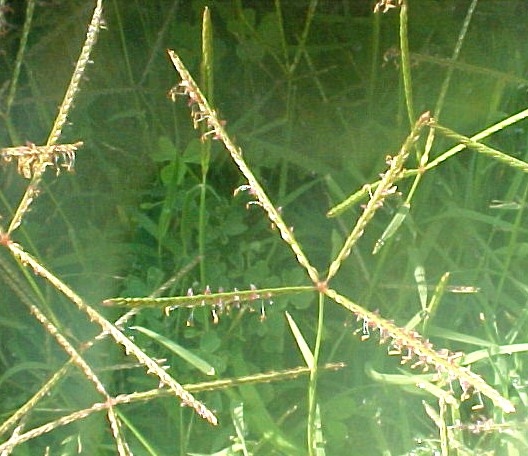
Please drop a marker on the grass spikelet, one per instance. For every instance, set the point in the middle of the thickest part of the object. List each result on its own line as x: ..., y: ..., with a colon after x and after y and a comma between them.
x: 221, y: 301
x: 407, y: 344
x: 32, y: 159
x: 479, y: 147
x: 410, y: 346
x: 80, y: 67
x: 77, y: 359
x: 130, y: 348
x: 202, y: 113
x: 383, y: 189
x: 62, y: 116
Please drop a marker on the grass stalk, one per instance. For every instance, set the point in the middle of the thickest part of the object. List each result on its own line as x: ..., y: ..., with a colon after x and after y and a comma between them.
x: 359, y: 195
x: 204, y: 113
x: 406, y: 60
x: 207, y: 82
x: 385, y: 188
x: 130, y: 348
x: 313, y: 428
x: 149, y: 395
x: 32, y: 189
x: 412, y: 344
x: 30, y: 9
x: 304, y: 35
x: 513, y: 243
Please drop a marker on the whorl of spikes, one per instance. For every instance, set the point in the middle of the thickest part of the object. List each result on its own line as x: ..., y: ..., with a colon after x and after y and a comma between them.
x: 409, y: 344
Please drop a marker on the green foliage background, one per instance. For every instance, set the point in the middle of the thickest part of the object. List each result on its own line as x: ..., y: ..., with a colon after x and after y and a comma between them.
x: 128, y: 218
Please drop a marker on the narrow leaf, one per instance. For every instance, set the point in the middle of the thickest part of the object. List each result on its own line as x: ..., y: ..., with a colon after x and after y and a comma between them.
x: 303, y: 346
x: 183, y: 353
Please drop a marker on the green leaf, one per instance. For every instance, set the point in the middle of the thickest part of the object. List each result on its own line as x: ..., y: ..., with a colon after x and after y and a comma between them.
x: 183, y: 353
x: 210, y: 342
x: 166, y: 150
x: 193, y: 152
x: 301, y: 343
x: 237, y: 415
x: 269, y: 31
x: 257, y: 416
x: 319, y: 441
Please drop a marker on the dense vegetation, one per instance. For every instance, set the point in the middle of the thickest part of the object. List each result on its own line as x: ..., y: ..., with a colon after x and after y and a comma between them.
x: 325, y: 99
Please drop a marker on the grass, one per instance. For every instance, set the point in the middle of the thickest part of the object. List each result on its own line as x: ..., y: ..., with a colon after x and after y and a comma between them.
x: 394, y: 325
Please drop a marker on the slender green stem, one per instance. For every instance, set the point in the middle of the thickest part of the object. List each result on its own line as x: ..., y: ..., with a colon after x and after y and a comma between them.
x: 20, y: 56
x: 304, y: 36
x: 406, y: 61
x: 312, y: 388
x: 441, y: 98
x: 284, y: 43
x: 374, y: 65
x: 481, y: 148
x: 513, y: 245
x: 207, y: 81
x: 364, y: 191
